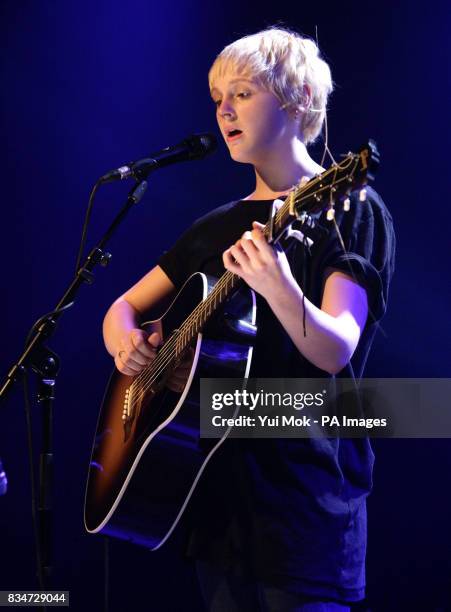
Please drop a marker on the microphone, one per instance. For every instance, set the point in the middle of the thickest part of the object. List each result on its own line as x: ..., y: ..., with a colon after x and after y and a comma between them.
x: 196, y: 146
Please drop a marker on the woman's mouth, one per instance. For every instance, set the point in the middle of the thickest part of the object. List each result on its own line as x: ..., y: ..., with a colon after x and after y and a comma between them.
x: 233, y: 135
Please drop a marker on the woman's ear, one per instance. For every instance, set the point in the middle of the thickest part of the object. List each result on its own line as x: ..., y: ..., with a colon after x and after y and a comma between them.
x: 307, y: 98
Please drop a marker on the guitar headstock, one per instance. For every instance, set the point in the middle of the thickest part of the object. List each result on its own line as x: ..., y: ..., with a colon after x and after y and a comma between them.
x: 336, y: 183
x: 325, y: 190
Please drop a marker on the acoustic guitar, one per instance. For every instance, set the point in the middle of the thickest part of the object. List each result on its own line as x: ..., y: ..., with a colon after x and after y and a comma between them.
x: 147, y: 456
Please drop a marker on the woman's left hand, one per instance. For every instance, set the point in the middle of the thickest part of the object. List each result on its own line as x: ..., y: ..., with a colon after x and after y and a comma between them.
x: 263, y: 267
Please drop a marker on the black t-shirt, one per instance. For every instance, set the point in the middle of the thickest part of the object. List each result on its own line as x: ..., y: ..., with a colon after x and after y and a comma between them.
x: 291, y: 511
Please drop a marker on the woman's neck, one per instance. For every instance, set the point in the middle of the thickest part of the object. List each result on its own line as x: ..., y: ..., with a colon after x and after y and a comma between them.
x: 274, y: 178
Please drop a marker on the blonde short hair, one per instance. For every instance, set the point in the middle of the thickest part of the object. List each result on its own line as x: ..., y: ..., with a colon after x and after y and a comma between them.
x: 289, y: 66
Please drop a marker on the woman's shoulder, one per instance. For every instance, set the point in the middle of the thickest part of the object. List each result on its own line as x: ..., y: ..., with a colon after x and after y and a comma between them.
x: 373, y: 202
x: 218, y: 212
x: 226, y: 213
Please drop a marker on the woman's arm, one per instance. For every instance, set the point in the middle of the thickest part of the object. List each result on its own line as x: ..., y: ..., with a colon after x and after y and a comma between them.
x: 332, y: 331
x: 131, y: 347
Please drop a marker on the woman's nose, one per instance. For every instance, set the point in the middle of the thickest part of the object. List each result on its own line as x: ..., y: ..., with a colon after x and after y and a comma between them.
x: 226, y: 108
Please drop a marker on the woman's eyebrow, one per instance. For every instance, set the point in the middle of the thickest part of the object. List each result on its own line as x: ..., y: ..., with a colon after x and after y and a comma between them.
x: 232, y: 82
x: 241, y: 79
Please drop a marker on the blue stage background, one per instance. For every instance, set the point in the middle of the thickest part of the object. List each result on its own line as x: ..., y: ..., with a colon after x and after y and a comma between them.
x: 87, y: 86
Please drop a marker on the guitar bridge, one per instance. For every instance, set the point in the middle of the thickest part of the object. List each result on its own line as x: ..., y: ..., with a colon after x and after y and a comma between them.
x: 126, y: 410
x: 136, y: 398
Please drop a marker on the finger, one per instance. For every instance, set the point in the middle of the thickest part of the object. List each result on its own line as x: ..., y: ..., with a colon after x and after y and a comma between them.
x: 230, y: 263
x: 241, y: 260
x: 132, y: 359
x: 123, y: 369
x: 257, y: 235
x: 140, y: 350
x: 249, y: 245
x: 154, y: 340
x: 136, y: 366
x: 259, y: 239
x: 240, y: 256
x: 137, y: 359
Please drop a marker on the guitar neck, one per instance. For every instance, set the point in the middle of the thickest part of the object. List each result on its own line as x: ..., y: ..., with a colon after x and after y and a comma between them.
x: 221, y: 291
x: 205, y: 309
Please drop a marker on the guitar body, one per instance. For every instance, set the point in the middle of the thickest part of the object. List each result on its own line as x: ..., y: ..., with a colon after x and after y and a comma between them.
x: 145, y: 466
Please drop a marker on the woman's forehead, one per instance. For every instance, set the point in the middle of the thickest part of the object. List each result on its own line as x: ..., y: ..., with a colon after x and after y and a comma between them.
x: 231, y: 76
x: 233, y: 80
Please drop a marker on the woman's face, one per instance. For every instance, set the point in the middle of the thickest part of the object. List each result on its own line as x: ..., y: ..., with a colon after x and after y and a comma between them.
x: 254, y: 127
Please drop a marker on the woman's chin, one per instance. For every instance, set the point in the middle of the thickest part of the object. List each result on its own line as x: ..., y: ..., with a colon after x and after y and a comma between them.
x: 242, y: 157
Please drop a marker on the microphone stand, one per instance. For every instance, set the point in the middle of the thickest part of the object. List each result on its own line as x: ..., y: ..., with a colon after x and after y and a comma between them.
x: 46, y: 364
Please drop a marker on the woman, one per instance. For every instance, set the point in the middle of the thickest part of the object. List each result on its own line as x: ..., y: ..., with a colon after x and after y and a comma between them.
x: 278, y: 524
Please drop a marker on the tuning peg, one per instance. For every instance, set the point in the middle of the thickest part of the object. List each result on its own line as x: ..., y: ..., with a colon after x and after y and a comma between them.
x: 330, y: 213
x: 362, y: 195
x: 346, y: 204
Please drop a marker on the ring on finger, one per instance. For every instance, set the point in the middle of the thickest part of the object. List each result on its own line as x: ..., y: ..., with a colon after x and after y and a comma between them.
x: 119, y: 355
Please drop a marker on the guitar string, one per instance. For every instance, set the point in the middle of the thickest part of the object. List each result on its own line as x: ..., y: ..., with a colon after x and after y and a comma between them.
x: 148, y: 377
x: 168, y: 347
x: 186, y: 328
x: 149, y: 374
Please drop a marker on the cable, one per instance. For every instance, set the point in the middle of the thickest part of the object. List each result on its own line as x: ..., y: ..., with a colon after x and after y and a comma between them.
x: 33, y: 483
x: 44, y: 317
x: 84, y: 232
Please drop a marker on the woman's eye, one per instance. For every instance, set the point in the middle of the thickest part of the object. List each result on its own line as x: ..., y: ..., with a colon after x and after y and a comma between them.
x: 240, y: 94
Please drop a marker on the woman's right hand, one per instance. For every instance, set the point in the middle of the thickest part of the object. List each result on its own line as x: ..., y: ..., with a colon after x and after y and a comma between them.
x: 137, y: 349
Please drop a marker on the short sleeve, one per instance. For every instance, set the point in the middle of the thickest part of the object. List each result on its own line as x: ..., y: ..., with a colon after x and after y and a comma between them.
x: 369, y: 241
x: 177, y: 262
x: 200, y: 248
